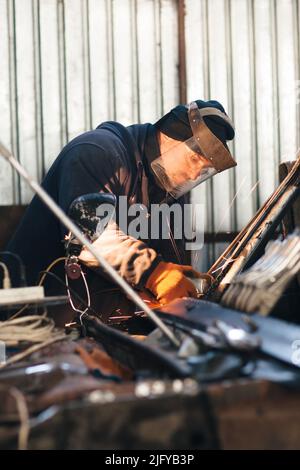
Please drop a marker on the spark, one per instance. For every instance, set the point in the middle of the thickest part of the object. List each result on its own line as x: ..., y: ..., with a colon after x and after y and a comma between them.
x: 231, y: 204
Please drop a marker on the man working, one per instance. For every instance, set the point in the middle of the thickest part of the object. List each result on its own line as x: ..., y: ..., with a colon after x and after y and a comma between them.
x: 148, y: 164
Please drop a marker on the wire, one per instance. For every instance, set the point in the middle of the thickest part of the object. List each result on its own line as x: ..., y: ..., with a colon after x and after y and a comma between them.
x: 15, y: 315
x: 74, y: 293
x: 23, y: 282
x: 6, y: 278
x: 32, y: 328
x: 82, y: 312
x: 51, y: 265
x: 23, y: 415
x: 32, y: 349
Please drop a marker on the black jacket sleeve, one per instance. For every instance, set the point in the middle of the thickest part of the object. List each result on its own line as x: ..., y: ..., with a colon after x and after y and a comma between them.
x: 87, y: 169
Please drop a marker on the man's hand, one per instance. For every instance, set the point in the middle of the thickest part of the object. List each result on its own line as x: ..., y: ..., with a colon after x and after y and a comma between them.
x: 170, y: 281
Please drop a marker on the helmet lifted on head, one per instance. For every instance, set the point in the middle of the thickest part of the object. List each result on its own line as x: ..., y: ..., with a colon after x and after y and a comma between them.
x: 192, y: 161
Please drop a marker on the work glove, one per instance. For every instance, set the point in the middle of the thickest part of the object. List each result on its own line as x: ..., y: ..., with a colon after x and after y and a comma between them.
x: 170, y: 281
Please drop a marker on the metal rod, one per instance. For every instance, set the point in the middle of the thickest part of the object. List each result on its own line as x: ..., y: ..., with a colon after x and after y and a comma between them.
x: 78, y: 234
x: 181, y: 51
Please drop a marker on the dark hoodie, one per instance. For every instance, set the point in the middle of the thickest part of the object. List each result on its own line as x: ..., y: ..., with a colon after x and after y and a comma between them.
x: 111, y: 158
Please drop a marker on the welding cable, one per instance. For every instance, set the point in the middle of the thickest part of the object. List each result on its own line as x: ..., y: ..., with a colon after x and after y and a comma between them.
x: 6, y: 278
x: 73, y: 292
x: 14, y: 331
x: 40, y: 283
x: 51, y: 265
x: 82, y: 312
x: 78, y: 297
x: 30, y: 329
x: 48, y: 269
x: 23, y: 282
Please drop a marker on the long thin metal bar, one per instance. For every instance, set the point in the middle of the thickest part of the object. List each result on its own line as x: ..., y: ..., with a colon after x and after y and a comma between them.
x: 14, y: 95
x: 230, y: 91
x: 207, y: 93
x: 78, y: 234
x: 39, y: 123
x: 135, y: 62
x: 87, y: 66
x: 64, y: 126
x: 181, y: 51
x: 276, y: 83
x: 255, y: 196
x: 111, y: 65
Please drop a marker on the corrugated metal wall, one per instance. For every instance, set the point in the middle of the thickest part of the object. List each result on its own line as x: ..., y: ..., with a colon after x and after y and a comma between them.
x: 67, y: 65
x: 245, y: 53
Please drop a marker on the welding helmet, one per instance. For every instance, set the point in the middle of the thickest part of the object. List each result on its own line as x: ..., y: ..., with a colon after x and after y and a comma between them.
x: 190, y: 162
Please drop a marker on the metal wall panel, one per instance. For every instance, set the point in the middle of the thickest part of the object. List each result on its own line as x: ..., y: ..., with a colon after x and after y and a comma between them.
x: 67, y: 65
x: 149, y: 60
x: 245, y: 53
x: 53, y: 126
x: 7, y: 192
